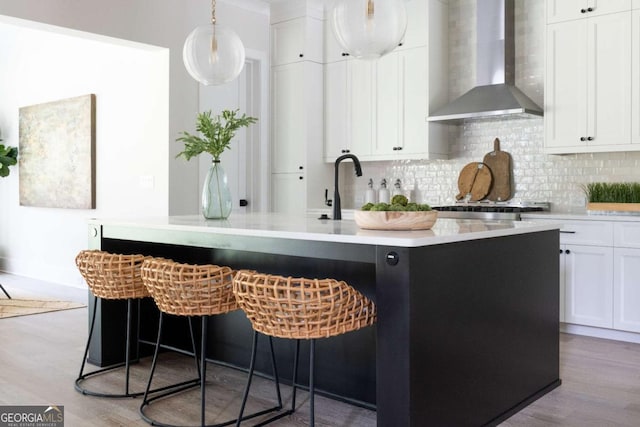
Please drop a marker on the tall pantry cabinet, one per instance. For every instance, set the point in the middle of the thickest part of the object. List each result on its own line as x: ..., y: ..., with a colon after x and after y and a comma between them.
x: 298, y: 173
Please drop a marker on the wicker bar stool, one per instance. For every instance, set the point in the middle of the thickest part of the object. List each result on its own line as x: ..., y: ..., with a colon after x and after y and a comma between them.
x: 113, y: 277
x: 192, y: 290
x: 299, y: 308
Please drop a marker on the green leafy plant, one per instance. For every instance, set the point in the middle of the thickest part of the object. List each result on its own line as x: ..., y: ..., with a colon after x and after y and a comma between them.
x: 8, y: 157
x: 612, y: 192
x: 217, y: 132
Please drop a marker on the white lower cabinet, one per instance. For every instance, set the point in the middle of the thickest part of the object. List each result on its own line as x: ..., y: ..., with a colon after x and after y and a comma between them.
x: 588, y: 280
x: 626, y: 276
x: 626, y: 289
x: 289, y: 193
x: 599, y: 274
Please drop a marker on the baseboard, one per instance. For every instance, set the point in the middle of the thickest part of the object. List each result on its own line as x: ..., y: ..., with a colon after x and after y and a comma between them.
x: 609, y: 334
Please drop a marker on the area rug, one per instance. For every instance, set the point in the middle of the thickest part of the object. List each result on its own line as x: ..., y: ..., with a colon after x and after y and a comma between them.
x: 23, y: 307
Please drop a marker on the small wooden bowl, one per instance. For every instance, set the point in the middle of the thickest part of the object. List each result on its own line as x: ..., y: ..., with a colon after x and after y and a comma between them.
x: 390, y: 220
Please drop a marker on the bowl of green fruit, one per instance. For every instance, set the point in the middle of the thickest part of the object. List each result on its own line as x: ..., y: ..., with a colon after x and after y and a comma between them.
x: 400, y: 214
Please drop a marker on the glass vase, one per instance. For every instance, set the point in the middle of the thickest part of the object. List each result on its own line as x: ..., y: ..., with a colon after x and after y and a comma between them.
x: 216, y: 196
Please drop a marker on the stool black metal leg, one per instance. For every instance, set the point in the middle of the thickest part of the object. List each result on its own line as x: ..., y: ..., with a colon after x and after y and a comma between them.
x: 275, y: 373
x: 294, y: 381
x: 203, y: 367
x: 5, y: 291
x: 127, y: 356
x: 312, y: 350
x: 153, y: 362
x: 170, y: 389
x: 86, y: 349
x: 82, y: 376
x: 254, y: 347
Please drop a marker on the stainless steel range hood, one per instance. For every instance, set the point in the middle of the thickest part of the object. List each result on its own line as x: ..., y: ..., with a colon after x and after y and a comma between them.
x: 495, y: 93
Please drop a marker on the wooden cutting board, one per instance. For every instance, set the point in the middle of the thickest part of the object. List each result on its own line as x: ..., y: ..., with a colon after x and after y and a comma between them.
x: 500, y: 164
x: 475, y: 179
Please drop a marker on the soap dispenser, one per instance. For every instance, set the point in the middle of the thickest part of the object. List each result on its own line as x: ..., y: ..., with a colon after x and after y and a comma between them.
x: 383, y: 193
x: 370, y: 195
x: 397, y: 187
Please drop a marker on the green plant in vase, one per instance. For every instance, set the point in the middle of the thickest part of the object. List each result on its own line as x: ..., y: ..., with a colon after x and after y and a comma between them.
x: 216, y: 135
x: 8, y: 157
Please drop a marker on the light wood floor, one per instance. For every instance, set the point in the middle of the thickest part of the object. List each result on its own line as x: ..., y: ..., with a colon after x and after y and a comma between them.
x: 40, y: 356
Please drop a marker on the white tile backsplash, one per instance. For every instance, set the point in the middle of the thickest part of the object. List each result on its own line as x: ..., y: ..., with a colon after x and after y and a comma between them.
x: 537, y: 176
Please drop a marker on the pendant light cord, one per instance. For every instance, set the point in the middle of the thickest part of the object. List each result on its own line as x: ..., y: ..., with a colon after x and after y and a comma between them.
x: 213, y: 12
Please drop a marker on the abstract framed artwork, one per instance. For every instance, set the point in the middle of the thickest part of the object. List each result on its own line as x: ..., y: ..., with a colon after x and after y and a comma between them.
x: 57, y: 154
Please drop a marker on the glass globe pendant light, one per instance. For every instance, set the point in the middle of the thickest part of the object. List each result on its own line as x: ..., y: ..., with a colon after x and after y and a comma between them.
x: 213, y: 55
x: 369, y: 29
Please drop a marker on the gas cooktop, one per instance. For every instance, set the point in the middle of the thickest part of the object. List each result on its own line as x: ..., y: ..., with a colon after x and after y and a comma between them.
x: 490, y: 210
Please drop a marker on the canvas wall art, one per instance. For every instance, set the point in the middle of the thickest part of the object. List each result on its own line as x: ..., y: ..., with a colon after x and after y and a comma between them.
x: 57, y: 154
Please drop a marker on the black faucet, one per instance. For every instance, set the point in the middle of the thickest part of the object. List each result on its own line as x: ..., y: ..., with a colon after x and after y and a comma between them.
x: 337, y: 212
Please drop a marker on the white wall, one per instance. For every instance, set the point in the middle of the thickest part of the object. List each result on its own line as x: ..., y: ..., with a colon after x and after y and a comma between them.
x: 41, y: 243
x: 40, y: 63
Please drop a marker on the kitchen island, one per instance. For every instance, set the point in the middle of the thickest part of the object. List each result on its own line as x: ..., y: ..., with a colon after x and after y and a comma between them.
x: 468, y: 312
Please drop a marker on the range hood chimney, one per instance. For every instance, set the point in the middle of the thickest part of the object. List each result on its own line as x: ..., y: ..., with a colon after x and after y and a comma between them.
x: 495, y: 93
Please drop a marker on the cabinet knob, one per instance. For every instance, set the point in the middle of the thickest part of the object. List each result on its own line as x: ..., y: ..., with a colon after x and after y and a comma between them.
x: 244, y: 202
x: 301, y: 177
x: 590, y: 138
x: 582, y: 138
x: 301, y: 167
x: 583, y: 10
x: 567, y: 252
x: 301, y: 55
x: 346, y: 151
x: 561, y: 251
x: 589, y: 9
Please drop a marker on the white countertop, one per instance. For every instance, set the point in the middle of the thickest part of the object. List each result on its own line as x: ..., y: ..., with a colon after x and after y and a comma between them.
x: 310, y: 228
x: 582, y: 215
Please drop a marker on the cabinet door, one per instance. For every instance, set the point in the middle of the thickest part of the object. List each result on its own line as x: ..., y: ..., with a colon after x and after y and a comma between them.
x: 626, y: 287
x: 388, y: 108
x: 635, y: 73
x: 287, y: 41
x: 332, y: 50
x: 415, y: 108
x: 362, y: 86
x: 609, y: 77
x: 336, y: 111
x: 288, y: 118
x: 589, y: 285
x: 565, y: 10
x: 563, y: 286
x: 289, y: 193
x: 566, y: 85
x: 417, y: 33
x: 635, y: 4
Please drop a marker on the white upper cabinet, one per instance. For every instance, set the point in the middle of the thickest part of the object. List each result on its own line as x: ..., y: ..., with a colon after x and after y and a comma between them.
x: 589, y: 84
x: 333, y: 52
x: 417, y: 25
x: 296, y: 40
x: 566, y: 10
x: 635, y: 78
x: 378, y: 110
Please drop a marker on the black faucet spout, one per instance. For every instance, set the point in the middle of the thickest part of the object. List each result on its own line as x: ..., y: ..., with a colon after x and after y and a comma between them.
x: 337, y: 210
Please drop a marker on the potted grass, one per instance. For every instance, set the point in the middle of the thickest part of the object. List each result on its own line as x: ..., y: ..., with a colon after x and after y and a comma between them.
x: 613, y: 196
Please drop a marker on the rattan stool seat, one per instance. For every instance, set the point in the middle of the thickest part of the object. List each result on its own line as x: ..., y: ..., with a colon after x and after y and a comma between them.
x: 114, y: 277
x: 191, y: 290
x: 300, y: 308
